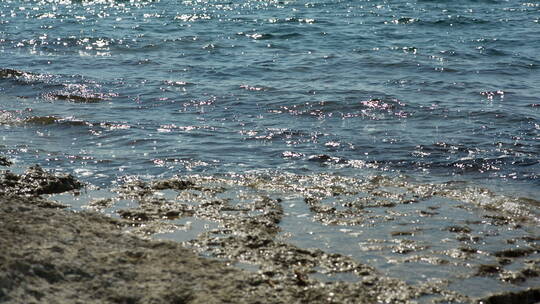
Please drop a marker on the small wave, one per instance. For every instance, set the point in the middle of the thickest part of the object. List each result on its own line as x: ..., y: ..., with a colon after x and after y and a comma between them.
x: 192, y: 17
x: 404, y: 20
x: 87, y: 98
x: 56, y: 87
x: 372, y: 108
x: 78, y: 93
x: 178, y: 83
x: 292, y: 20
x: 50, y: 120
x: 257, y: 36
x: 20, y: 118
x: 491, y: 94
x: 248, y: 87
x: 285, y: 134
x: 267, y: 36
x: 457, y: 20
x: 23, y: 76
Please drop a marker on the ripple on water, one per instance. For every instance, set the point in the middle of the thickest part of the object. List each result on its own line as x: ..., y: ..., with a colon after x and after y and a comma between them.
x: 319, y: 95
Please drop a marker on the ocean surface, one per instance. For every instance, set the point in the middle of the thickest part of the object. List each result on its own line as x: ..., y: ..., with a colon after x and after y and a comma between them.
x: 437, y: 92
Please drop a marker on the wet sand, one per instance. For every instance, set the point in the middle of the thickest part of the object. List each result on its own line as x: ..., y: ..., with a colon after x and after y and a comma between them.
x: 52, y: 255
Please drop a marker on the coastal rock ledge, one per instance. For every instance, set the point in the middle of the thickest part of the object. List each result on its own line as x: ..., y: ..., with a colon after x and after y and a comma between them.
x: 53, y: 255
x: 50, y: 255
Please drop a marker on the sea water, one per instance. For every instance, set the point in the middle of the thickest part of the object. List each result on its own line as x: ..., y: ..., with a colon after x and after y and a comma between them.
x: 431, y: 91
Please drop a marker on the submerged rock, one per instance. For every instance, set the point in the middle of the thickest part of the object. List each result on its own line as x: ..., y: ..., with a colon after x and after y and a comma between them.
x: 515, y: 252
x: 42, y: 120
x: 4, y: 161
x: 79, y: 98
x: 488, y: 270
x: 7, y: 73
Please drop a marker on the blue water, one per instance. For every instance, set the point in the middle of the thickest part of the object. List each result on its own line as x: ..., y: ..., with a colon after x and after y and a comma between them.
x: 435, y: 91
x: 438, y: 89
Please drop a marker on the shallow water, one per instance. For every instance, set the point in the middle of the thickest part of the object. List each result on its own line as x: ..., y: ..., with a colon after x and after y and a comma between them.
x: 435, y: 91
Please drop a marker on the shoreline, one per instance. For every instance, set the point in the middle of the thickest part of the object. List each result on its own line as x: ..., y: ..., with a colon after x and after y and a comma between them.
x: 56, y: 255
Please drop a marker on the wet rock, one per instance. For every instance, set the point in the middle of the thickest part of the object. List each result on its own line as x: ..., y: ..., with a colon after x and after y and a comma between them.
x: 4, y: 161
x: 433, y: 260
x: 531, y: 269
x: 514, y: 252
x: 468, y: 238
x: 87, y: 98
x: 468, y: 250
x: 173, y: 184
x: 36, y: 181
x: 528, y: 296
x: 42, y: 120
x: 100, y: 204
x: 402, y: 233
x: 320, y: 158
x: 498, y: 220
x: 427, y: 213
x: 7, y: 73
x: 149, y: 228
x: 513, y: 277
x: 531, y: 272
x: 151, y: 208
x: 459, y: 229
x: 404, y: 246
x: 531, y: 239
x: 460, y: 254
x: 136, y: 188
x: 247, y: 217
x: 52, y: 256
x: 488, y: 270
x: 135, y: 215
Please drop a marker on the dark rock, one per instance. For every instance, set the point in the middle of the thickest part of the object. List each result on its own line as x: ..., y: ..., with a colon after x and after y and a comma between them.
x: 89, y: 98
x: 4, y: 161
x: 173, y: 184
x: 36, y: 181
x: 468, y: 250
x: 514, y: 253
x: 133, y: 215
x: 487, y: 270
x: 7, y: 73
x: 402, y: 233
x: 320, y: 158
x: 459, y: 229
x: 529, y: 296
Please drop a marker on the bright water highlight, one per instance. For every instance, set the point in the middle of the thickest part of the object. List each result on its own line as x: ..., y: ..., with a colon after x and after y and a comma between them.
x: 439, y: 92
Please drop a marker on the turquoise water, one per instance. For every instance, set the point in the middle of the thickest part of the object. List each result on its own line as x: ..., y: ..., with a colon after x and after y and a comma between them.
x: 437, y: 91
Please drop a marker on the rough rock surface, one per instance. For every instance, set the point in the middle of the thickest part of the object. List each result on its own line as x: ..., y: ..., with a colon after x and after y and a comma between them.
x: 53, y: 255
x: 36, y: 181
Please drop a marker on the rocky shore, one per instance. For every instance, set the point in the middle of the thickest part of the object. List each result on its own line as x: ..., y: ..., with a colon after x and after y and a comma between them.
x: 54, y: 255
